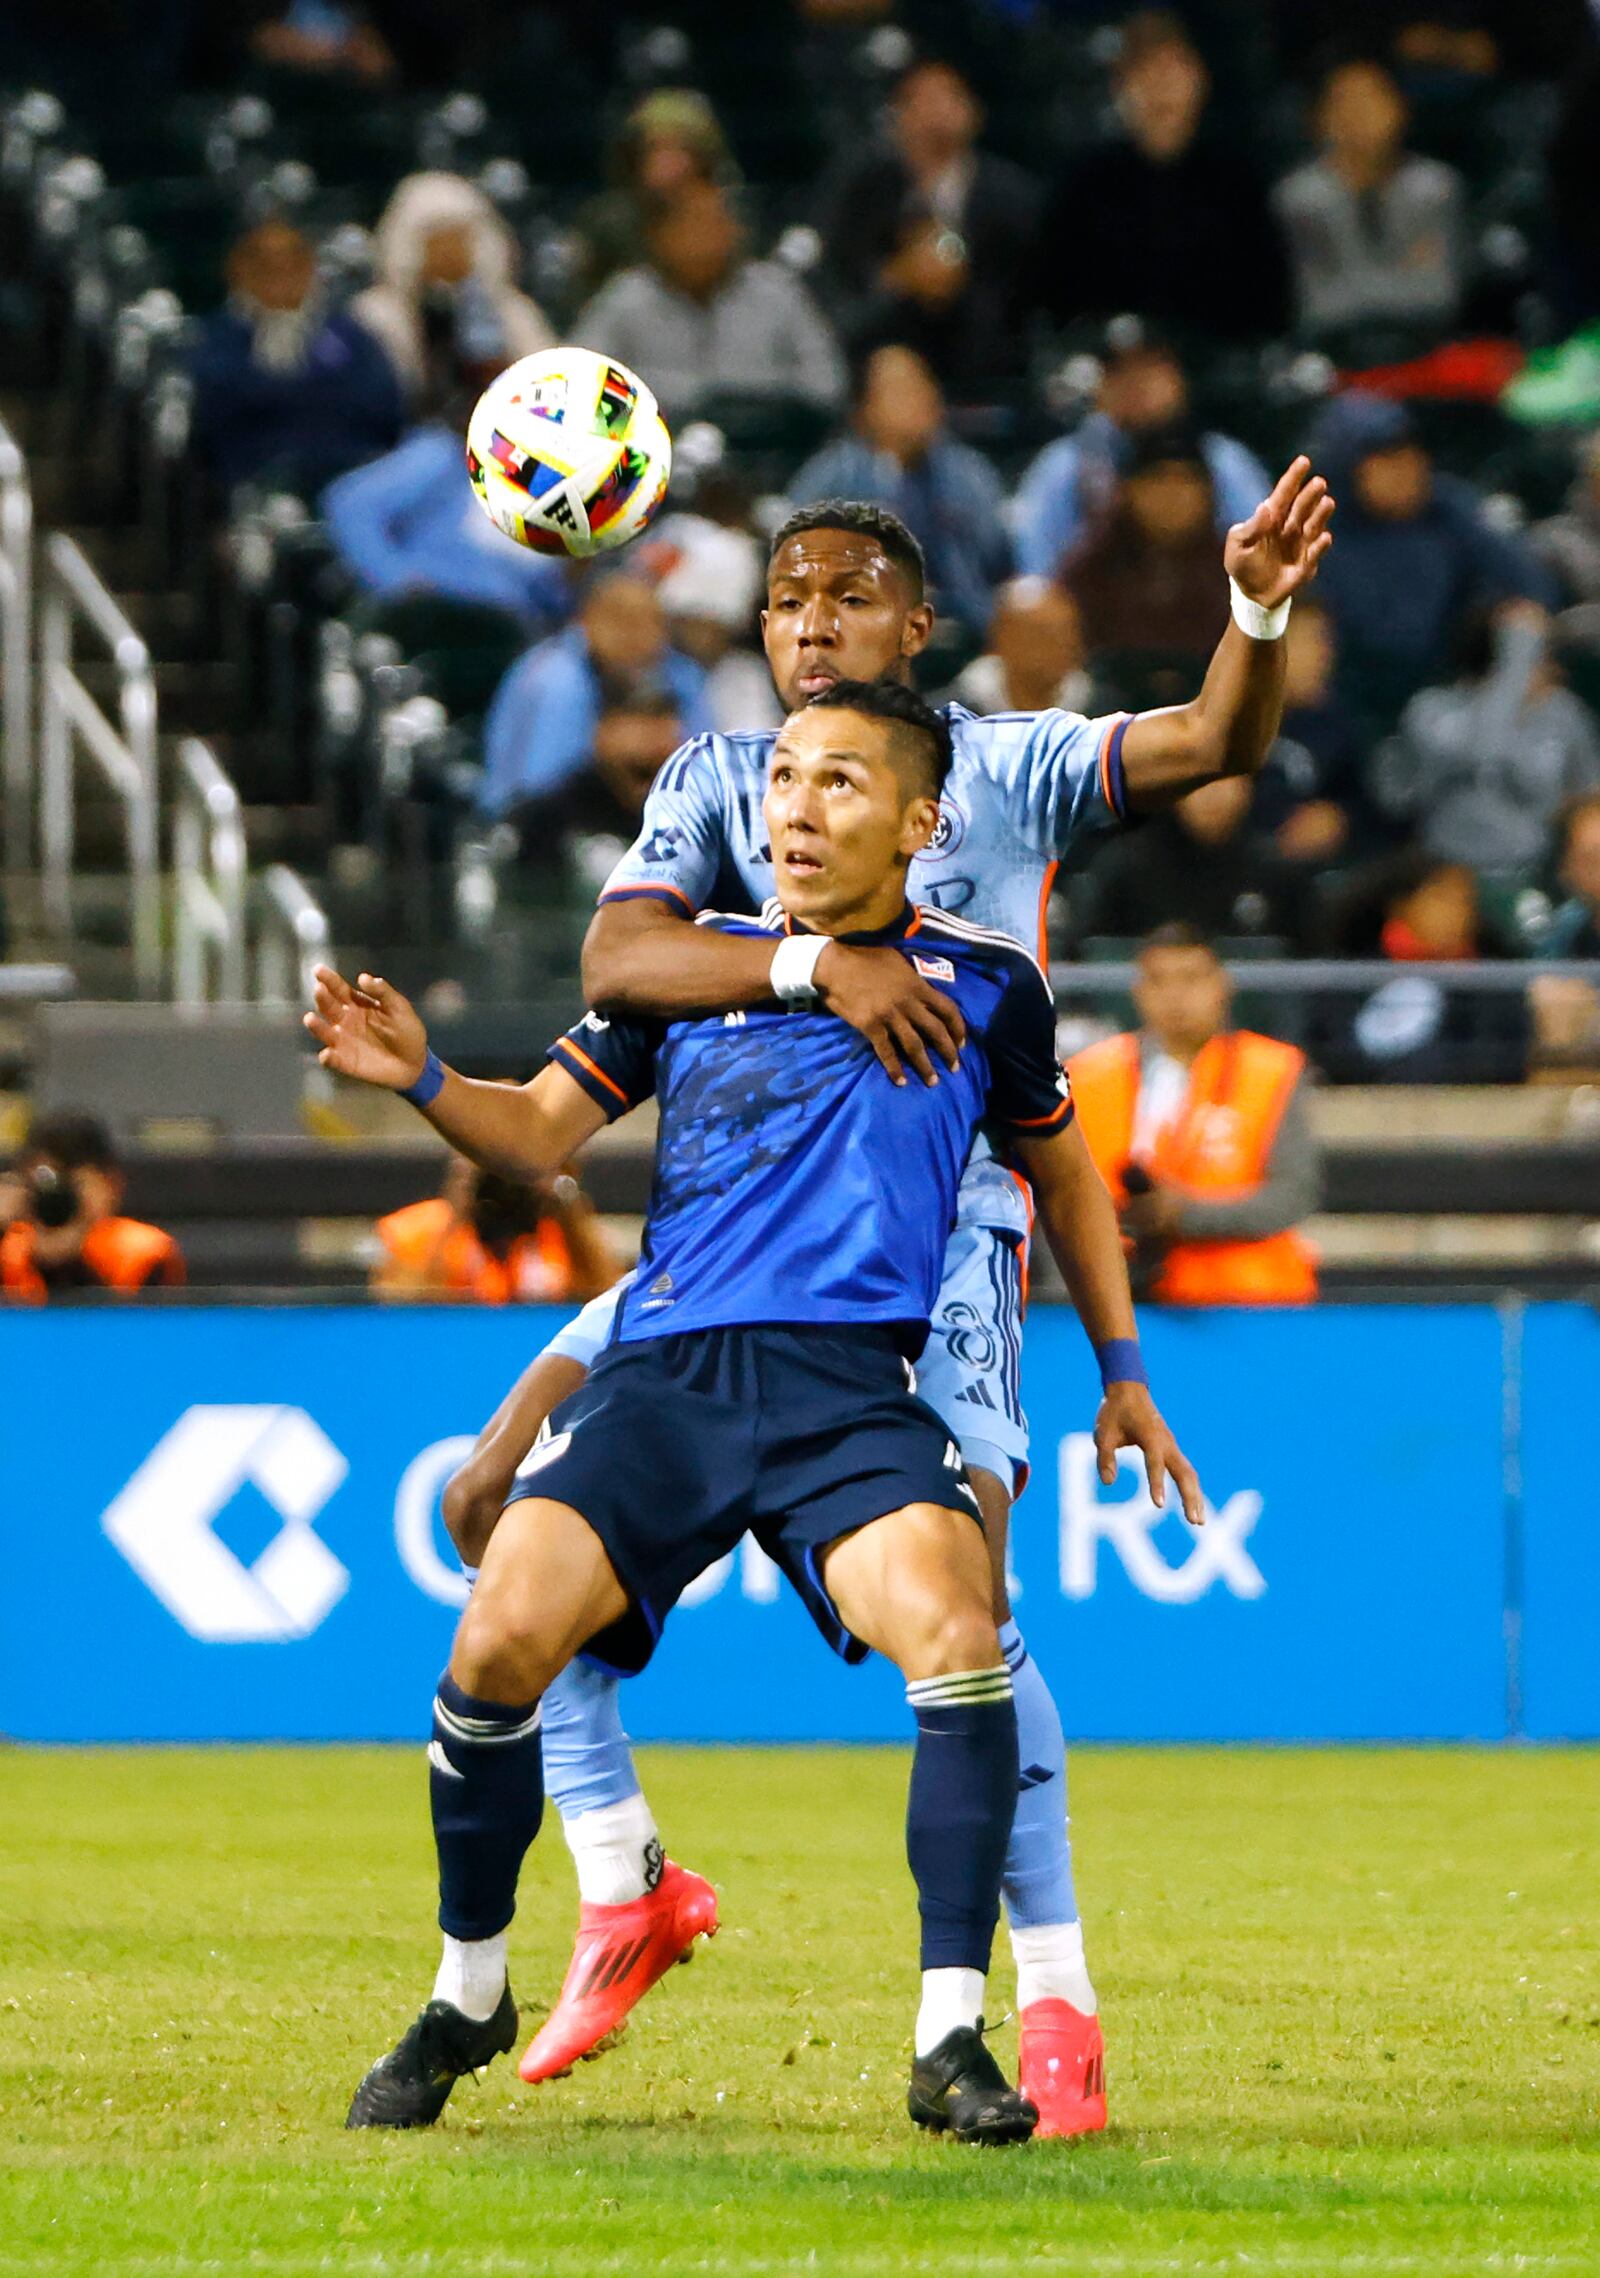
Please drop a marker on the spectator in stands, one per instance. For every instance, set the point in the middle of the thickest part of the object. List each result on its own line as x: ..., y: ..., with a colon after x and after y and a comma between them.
x: 1163, y: 217
x: 927, y: 239
x: 60, y: 1208
x: 1145, y: 577
x: 1069, y: 485
x: 409, y: 524
x: 285, y: 388
x: 445, y: 295
x: 325, y: 39
x: 1416, y: 912
x: 578, y: 833
x: 1376, y: 235
x: 1312, y: 793
x: 1484, y: 766
x: 670, y: 141
x: 1574, y: 930
x: 495, y: 1241
x: 1416, y: 555
x: 901, y: 454
x: 542, y: 725
x: 1204, y: 861
x: 1431, y: 913
x: 1034, y: 658
x: 1568, y: 544
x: 702, y: 317
x: 712, y: 582
x: 1203, y: 1134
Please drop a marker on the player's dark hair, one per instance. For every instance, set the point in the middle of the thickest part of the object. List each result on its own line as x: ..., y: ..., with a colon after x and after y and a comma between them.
x: 867, y: 521
x: 910, y: 714
x: 1178, y: 933
x: 77, y: 1142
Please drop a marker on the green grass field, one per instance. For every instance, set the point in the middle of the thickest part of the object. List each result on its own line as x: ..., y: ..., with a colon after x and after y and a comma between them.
x: 1352, y: 2006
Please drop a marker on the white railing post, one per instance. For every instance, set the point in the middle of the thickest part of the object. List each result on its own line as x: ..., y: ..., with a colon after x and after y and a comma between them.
x: 125, y: 757
x: 292, y: 938
x: 209, y: 879
x: 16, y: 651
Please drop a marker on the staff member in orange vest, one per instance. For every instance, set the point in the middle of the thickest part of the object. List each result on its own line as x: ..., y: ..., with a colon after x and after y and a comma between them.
x: 63, y: 1230
x: 1201, y: 1132
x: 496, y: 1241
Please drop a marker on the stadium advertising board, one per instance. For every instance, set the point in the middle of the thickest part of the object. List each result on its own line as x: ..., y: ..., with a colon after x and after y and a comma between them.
x: 224, y: 1525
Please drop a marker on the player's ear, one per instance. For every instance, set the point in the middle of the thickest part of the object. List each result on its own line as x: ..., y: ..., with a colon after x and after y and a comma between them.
x: 918, y: 824
x: 916, y: 628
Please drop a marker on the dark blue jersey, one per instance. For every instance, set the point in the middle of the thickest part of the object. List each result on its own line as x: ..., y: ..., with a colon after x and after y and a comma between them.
x: 793, y: 1180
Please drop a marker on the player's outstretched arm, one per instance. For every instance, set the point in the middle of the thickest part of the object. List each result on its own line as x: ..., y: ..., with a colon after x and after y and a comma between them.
x: 641, y: 957
x: 476, y: 1495
x: 1080, y: 1224
x: 370, y: 1032
x: 1232, y: 724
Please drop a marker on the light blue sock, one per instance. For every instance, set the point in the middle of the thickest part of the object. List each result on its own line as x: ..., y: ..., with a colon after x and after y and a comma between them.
x: 588, y: 1763
x: 1038, y: 1879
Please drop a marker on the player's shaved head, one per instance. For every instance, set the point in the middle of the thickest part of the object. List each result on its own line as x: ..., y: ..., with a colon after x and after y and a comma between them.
x: 919, y: 736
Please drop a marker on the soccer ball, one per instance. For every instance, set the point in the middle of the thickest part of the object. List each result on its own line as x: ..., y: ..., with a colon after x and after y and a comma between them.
x: 568, y: 453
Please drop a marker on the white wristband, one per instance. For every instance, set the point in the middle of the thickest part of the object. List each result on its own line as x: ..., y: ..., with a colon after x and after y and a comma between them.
x: 794, y: 962
x: 1260, y: 624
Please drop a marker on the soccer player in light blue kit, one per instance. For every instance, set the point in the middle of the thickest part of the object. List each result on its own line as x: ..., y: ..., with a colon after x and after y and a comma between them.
x: 846, y: 601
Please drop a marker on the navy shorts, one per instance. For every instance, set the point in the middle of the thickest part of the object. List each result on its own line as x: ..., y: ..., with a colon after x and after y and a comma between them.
x: 677, y: 1446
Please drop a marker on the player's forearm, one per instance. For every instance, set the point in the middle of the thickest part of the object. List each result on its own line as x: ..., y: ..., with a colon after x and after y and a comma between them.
x: 1228, y: 729
x: 1080, y: 1224
x: 639, y: 957
x: 501, y: 1128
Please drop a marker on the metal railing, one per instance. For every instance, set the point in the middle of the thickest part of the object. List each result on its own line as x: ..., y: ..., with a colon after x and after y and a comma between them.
x: 292, y: 937
x: 210, y: 872
x: 1350, y: 976
x: 69, y: 718
x: 16, y: 650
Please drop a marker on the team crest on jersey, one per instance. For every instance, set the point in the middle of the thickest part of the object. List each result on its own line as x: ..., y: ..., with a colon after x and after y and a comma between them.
x: 948, y: 831
x: 934, y: 968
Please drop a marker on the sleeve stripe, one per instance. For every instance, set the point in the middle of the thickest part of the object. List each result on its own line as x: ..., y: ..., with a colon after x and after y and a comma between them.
x: 1113, y: 786
x: 1052, y: 1121
x: 661, y: 893
x: 566, y: 1045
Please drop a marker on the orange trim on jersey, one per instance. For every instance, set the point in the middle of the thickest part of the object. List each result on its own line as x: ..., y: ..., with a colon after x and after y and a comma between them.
x: 1105, y: 761
x: 916, y: 922
x: 1044, y: 913
x: 565, y: 1044
x: 648, y: 893
x: 1041, y: 1122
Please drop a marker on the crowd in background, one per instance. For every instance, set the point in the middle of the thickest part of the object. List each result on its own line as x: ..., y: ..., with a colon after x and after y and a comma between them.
x: 1031, y: 353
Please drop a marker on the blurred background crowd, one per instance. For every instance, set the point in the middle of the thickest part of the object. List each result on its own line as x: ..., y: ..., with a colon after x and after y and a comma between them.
x: 1063, y: 282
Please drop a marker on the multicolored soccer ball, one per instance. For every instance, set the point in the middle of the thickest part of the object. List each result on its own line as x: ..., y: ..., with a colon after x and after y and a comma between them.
x: 568, y: 453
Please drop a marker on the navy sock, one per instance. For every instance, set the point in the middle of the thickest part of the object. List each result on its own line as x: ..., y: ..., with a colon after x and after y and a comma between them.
x: 958, y: 1815
x: 486, y: 1781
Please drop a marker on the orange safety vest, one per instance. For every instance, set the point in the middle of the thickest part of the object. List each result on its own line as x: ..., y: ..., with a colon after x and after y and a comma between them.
x: 427, y: 1238
x: 1220, y: 1144
x: 121, y: 1253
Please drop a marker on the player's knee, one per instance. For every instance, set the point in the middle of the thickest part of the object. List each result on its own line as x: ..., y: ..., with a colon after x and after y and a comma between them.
x: 499, y: 1654
x: 963, y: 1636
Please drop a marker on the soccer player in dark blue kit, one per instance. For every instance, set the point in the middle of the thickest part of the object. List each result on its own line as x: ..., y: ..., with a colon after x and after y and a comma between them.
x: 761, y: 1379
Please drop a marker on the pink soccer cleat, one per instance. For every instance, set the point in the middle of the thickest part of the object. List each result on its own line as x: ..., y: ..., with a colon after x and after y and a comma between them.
x: 620, y: 1954
x: 1061, y: 2068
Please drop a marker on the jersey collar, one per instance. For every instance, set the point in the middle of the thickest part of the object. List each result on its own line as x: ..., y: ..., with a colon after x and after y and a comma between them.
x: 899, y: 929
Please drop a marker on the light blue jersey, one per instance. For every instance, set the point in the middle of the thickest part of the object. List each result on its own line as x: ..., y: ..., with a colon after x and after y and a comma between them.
x: 1025, y: 790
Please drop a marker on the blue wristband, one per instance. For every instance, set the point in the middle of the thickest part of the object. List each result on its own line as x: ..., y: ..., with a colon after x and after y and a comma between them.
x: 429, y: 1084
x: 1121, y: 1362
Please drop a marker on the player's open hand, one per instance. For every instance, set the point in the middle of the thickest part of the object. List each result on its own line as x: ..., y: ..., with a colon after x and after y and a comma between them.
x: 367, y: 1030
x: 1276, y: 553
x: 1130, y: 1418
x: 883, y: 996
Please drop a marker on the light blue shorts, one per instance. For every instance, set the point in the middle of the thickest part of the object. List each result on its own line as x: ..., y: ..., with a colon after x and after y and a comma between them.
x: 971, y: 1367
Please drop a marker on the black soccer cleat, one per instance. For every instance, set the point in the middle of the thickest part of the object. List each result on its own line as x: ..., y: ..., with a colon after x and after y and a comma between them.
x: 410, y: 2087
x: 959, y: 2087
